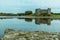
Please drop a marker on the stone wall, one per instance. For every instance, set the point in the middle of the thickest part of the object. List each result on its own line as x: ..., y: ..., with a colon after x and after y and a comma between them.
x: 43, y: 11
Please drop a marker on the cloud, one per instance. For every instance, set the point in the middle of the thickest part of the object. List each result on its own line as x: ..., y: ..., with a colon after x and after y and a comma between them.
x: 28, y: 4
x: 47, y: 3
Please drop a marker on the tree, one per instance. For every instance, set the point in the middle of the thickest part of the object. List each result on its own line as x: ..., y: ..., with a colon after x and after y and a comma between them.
x: 28, y: 12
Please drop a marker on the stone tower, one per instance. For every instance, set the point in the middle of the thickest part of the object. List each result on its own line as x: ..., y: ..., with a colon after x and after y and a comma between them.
x: 49, y: 10
x: 38, y: 11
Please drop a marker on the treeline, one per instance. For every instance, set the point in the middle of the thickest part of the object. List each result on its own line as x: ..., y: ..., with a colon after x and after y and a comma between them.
x: 7, y: 14
x: 17, y: 14
x: 24, y: 14
x: 55, y: 13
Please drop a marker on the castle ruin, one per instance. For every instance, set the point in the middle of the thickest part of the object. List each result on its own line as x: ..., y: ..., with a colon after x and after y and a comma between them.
x: 43, y: 11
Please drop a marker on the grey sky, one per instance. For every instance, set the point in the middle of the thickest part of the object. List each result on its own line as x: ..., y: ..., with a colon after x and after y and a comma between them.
x: 22, y: 5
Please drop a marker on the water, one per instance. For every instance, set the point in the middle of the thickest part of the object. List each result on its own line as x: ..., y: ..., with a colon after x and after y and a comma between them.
x: 37, y: 24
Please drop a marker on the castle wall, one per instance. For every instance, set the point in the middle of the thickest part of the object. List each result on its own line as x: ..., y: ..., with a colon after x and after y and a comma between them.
x: 42, y: 11
x: 38, y: 11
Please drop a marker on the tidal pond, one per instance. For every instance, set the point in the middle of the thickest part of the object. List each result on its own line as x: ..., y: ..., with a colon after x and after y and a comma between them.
x: 29, y: 24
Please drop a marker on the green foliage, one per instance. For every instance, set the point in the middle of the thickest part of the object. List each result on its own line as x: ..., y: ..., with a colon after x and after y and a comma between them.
x: 28, y: 12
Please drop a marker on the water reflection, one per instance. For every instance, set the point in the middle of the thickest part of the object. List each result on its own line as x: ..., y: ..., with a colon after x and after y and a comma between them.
x: 43, y: 21
x: 39, y: 20
x: 28, y: 19
x: 29, y: 24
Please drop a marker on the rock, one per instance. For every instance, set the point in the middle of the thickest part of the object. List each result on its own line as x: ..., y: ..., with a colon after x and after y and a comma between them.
x: 11, y: 34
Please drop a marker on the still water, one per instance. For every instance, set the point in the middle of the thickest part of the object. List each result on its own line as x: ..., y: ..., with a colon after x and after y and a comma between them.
x: 28, y: 24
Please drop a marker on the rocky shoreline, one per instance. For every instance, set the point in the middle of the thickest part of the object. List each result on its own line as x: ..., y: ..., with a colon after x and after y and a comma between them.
x: 11, y: 34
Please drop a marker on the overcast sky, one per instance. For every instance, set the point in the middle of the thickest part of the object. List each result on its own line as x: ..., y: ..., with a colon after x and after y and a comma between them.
x: 23, y: 5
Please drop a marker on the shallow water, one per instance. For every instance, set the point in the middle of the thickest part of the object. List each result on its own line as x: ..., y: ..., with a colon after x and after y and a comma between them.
x: 28, y: 24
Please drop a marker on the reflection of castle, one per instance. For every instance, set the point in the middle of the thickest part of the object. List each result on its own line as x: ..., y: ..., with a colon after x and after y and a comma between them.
x: 43, y: 21
x: 40, y: 20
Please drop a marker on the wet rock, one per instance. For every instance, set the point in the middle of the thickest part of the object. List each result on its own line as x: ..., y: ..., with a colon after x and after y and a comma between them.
x: 11, y: 34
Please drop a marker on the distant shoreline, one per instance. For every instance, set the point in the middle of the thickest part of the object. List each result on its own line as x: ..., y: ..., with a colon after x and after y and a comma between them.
x: 29, y: 16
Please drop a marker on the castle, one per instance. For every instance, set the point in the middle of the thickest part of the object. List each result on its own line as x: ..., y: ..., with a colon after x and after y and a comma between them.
x: 43, y: 11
